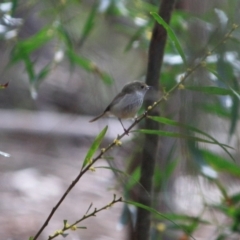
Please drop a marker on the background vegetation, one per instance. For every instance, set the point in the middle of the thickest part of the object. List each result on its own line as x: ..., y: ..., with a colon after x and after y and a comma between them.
x: 71, y: 57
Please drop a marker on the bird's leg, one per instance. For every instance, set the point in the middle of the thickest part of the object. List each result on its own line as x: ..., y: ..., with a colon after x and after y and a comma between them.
x: 125, y: 130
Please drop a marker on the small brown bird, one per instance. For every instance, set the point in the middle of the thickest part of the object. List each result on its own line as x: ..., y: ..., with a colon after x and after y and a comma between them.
x: 127, y: 103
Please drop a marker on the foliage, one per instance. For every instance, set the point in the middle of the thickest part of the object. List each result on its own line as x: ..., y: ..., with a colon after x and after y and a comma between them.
x: 200, y: 89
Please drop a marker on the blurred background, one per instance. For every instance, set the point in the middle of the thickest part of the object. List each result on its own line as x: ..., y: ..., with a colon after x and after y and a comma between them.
x: 64, y: 61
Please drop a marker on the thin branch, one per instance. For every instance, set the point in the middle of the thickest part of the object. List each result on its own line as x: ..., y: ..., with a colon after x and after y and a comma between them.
x: 117, y: 142
x: 93, y: 213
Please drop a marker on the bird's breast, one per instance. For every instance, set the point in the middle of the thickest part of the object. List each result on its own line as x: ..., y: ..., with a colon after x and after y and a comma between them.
x: 128, y: 106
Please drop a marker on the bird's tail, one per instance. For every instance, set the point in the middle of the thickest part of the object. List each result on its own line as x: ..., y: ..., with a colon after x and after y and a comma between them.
x: 96, y: 118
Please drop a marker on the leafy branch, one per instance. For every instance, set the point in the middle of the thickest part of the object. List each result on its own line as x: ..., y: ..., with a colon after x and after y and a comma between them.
x: 89, y: 161
x: 74, y: 227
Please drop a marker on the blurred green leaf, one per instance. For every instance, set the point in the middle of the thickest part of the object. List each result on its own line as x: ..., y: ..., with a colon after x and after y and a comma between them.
x: 210, y: 90
x: 14, y: 6
x: 221, y: 164
x: 85, y: 63
x: 171, y: 166
x: 171, y: 35
x: 29, y: 67
x: 183, y: 218
x: 64, y: 35
x: 216, y: 109
x: 235, y: 198
x: 107, y: 79
x: 177, y: 135
x: 138, y: 35
x: 82, y: 227
x: 89, y: 24
x: 94, y: 147
x: 157, y: 214
x: 64, y: 223
x: 42, y: 74
x: 188, y: 127
x: 89, y: 66
x: 133, y: 179
x: 24, y: 48
x: 235, y: 107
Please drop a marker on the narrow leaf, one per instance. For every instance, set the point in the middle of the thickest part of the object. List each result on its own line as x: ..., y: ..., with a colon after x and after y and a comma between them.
x: 210, y: 90
x: 82, y: 227
x: 178, y: 124
x: 171, y: 35
x: 25, y: 47
x: 177, y: 135
x: 43, y: 74
x: 152, y: 210
x: 234, y: 108
x: 89, y: 24
x: 64, y: 35
x: 89, y: 66
x: 29, y: 67
x: 64, y: 223
x: 221, y: 164
x: 88, y: 209
x: 85, y: 63
x: 94, y: 147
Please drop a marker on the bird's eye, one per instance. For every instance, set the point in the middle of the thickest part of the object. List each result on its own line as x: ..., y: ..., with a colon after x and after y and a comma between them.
x: 142, y: 87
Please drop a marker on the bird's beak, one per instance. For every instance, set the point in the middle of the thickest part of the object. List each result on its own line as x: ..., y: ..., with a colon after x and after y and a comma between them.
x: 148, y: 87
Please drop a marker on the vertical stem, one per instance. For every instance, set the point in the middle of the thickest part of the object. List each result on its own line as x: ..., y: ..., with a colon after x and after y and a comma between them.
x: 155, y: 58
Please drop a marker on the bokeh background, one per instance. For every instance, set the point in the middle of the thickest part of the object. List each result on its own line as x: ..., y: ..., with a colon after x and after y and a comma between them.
x: 64, y: 62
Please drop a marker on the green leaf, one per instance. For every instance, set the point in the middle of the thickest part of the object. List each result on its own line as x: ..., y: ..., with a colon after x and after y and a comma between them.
x: 158, y: 214
x: 171, y: 35
x: 64, y: 223
x: 82, y: 227
x: 88, y: 26
x: 216, y: 109
x: 29, y: 67
x: 94, y: 146
x: 31, y: 238
x: 210, y: 90
x: 106, y: 78
x: 188, y: 127
x: 26, y: 47
x: 43, y: 73
x: 15, y: 4
x: 177, y: 135
x: 64, y: 35
x: 234, y: 107
x: 133, y: 179
x: 137, y: 35
x: 235, y: 198
x: 85, y: 63
x: 221, y: 164
x: 184, y: 218
x: 89, y: 66
x: 171, y: 166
